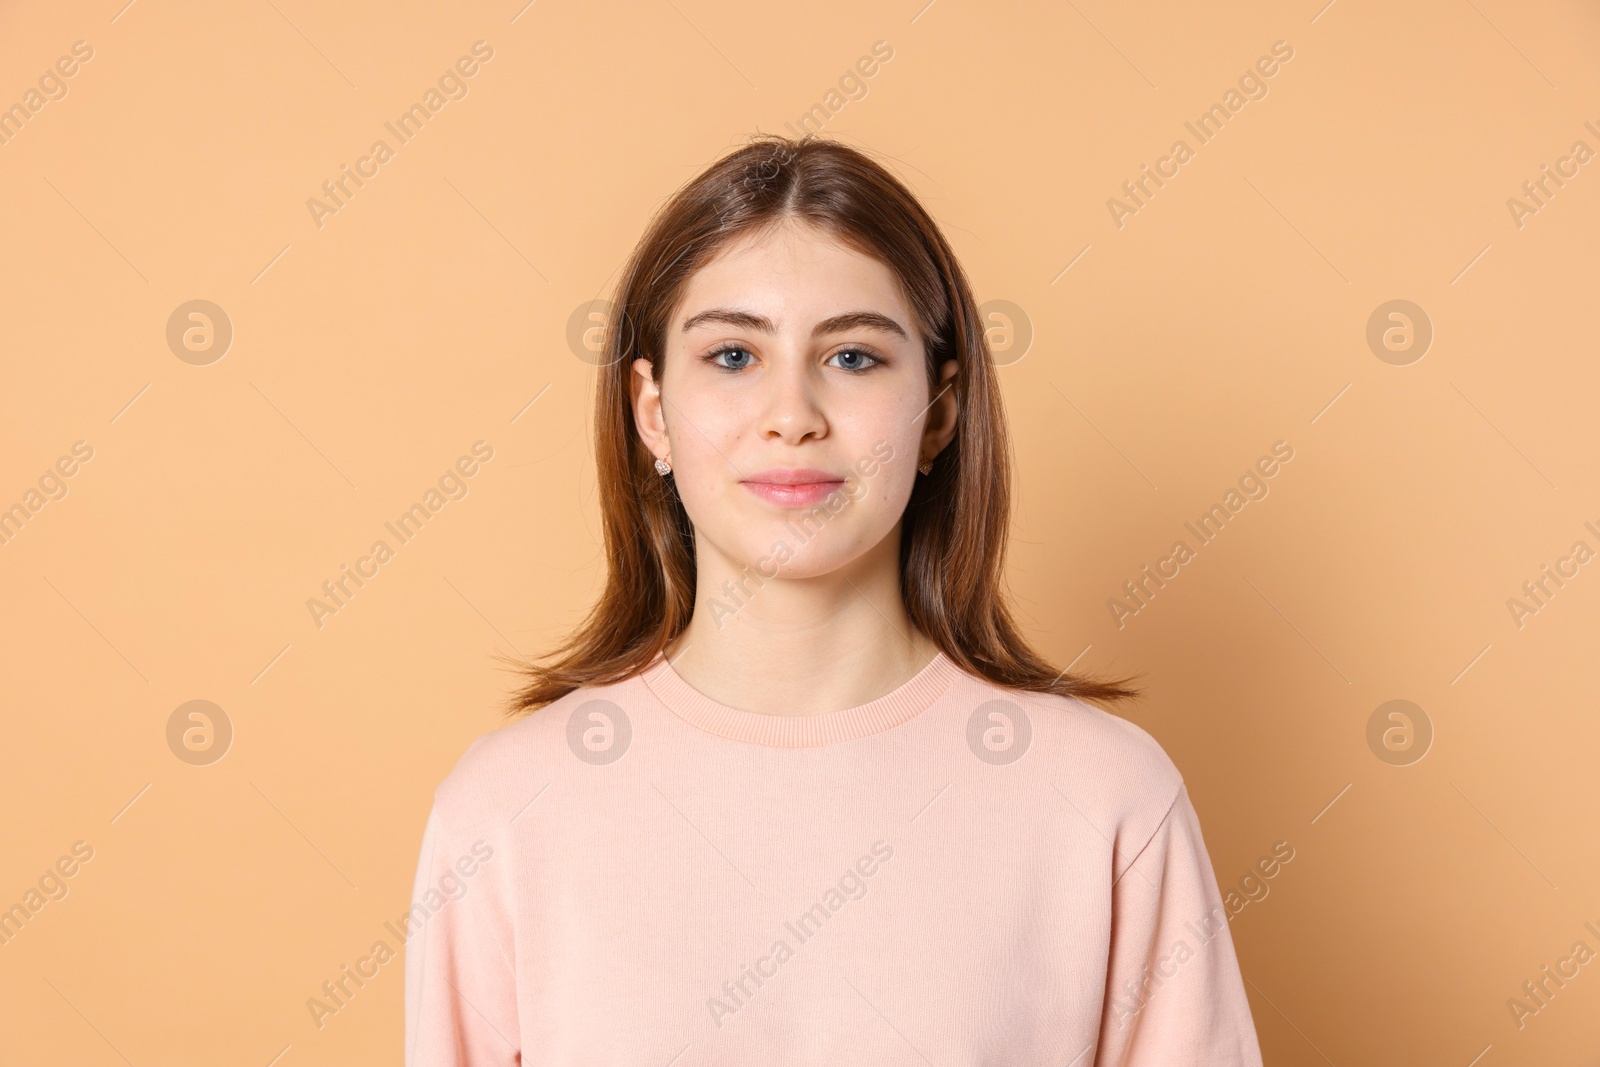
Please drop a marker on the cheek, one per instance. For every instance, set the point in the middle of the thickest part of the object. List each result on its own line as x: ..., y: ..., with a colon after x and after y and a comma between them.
x: 703, y: 442
x: 887, y: 441
x: 887, y: 489
x: 883, y: 459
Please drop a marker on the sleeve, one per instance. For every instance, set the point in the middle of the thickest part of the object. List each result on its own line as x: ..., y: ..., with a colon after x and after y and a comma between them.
x: 460, y: 999
x: 1174, y: 994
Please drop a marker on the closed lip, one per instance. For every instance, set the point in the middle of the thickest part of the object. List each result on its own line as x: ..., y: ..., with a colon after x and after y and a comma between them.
x: 794, y: 476
x: 788, y: 487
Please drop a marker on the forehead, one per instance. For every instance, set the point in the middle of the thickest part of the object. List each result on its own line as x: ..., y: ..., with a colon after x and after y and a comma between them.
x: 794, y: 271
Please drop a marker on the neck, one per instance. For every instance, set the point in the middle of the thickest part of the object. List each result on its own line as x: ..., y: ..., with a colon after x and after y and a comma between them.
x: 799, y: 646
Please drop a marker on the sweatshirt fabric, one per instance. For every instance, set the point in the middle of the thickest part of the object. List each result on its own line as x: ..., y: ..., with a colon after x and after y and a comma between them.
x: 954, y: 873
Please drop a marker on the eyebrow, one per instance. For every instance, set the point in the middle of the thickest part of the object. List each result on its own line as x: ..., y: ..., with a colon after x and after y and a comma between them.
x: 850, y: 320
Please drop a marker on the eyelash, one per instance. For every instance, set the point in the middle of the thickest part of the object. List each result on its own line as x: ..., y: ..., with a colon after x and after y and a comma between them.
x: 734, y: 346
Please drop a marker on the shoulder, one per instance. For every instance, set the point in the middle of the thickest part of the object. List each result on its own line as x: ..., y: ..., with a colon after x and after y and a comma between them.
x: 1107, y: 766
x: 501, y: 771
x: 1075, y: 730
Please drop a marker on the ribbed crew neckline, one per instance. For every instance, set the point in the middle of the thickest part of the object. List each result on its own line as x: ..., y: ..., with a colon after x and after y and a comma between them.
x: 899, y: 705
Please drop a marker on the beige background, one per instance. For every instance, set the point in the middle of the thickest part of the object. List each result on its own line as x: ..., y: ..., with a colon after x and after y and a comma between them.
x: 1228, y: 313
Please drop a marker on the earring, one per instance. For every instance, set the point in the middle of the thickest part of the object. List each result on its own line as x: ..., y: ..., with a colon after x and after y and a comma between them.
x: 926, y: 466
x: 663, y: 468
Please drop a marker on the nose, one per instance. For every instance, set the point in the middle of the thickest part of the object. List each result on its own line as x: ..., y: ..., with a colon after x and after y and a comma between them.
x: 790, y: 406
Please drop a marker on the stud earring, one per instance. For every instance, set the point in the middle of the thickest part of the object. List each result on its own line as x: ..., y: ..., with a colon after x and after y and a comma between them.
x: 926, y: 466
x: 663, y: 468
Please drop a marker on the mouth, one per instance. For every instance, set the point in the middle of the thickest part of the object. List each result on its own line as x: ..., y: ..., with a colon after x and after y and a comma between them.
x: 792, y: 488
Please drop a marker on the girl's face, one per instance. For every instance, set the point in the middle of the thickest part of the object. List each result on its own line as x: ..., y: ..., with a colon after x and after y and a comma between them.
x: 793, y: 404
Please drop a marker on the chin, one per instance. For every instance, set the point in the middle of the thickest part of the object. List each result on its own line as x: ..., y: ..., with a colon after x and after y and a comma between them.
x: 769, y: 547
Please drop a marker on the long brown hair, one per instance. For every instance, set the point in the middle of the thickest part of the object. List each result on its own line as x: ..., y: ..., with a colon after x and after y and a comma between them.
x: 953, y: 541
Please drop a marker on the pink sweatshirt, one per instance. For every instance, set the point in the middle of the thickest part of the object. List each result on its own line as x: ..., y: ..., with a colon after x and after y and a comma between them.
x: 955, y: 873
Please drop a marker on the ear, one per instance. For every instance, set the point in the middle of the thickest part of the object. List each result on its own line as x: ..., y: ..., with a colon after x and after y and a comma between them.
x: 939, y: 425
x: 648, y: 416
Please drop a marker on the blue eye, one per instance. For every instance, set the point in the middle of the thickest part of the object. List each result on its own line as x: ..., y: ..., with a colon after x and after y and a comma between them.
x: 853, y: 359
x: 737, y: 358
